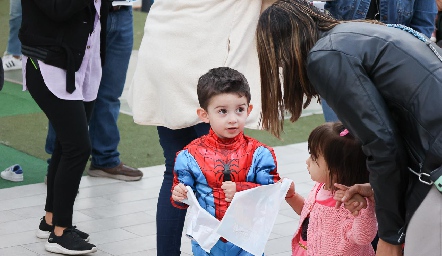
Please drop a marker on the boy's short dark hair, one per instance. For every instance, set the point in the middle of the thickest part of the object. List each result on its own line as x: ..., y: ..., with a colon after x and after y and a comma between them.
x: 221, y: 80
x: 342, y: 153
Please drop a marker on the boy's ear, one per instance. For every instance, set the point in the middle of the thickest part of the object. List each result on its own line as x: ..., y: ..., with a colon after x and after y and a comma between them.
x: 202, y: 114
x: 249, y: 109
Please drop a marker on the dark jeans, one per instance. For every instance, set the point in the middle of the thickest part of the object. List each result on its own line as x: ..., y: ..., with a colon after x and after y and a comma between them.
x: 69, y: 119
x: 170, y: 220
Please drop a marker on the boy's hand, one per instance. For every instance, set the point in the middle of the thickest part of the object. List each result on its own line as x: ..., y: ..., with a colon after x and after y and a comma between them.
x: 179, y: 192
x: 229, y: 189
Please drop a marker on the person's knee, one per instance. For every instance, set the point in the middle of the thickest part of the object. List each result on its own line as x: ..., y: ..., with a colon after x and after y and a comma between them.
x: 81, y: 149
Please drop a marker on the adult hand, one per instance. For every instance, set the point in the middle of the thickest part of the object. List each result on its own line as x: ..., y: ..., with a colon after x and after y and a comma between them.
x: 354, y: 204
x: 179, y: 192
x: 229, y: 188
x: 439, y: 5
x: 387, y: 249
x: 361, y: 189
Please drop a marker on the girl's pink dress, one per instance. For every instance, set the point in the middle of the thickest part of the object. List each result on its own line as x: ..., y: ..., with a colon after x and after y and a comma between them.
x: 334, y: 231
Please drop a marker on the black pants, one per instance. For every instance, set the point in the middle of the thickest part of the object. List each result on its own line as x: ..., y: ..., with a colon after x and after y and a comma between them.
x: 72, y: 148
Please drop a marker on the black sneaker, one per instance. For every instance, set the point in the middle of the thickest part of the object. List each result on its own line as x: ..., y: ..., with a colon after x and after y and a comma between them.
x: 44, y: 230
x: 70, y: 243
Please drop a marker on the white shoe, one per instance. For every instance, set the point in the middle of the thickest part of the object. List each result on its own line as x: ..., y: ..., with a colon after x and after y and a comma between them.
x: 13, y: 173
x: 11, y: 63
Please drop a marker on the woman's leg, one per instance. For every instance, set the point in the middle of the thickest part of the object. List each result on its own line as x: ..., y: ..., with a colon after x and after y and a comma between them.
x: 170, y: 220
x: 70, y: 121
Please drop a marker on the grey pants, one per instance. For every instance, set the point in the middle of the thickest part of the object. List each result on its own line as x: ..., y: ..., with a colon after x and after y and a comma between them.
x: 424, y: 233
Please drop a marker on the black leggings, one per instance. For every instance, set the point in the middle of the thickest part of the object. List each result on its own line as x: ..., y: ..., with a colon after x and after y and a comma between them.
x: 72, y: 148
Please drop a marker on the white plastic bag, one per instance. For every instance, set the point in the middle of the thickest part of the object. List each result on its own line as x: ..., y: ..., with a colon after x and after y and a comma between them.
x: 250, y: 217
x: 201, y: 225
x: 247, y: 223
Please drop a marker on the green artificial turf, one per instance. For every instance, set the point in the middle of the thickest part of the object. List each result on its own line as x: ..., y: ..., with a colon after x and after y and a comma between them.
x: 34, y: 169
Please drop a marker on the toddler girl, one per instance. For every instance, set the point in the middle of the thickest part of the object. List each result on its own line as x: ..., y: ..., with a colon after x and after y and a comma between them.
x: 335, y: 157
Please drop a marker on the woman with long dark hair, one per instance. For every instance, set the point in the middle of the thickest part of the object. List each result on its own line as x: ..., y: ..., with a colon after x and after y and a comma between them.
x: 384, y: 83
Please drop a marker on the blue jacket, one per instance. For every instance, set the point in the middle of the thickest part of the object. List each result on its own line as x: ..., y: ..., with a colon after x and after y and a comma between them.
x: 417, y: 14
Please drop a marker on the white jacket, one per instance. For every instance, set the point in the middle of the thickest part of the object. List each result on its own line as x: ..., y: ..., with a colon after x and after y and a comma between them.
x: 184, y: 39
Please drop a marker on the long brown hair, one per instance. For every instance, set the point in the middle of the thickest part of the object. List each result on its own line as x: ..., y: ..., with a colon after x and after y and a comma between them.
x: 286, y: 32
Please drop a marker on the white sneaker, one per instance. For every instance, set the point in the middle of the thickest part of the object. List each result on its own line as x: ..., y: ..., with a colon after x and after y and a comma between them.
x: 10, y: 62
x: 13, y: 173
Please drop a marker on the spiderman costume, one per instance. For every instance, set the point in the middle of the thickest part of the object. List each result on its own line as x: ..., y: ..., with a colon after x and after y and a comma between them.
x: 208, y: 161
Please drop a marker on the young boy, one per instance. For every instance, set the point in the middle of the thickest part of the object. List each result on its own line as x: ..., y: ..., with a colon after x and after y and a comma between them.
x: 225, y: 161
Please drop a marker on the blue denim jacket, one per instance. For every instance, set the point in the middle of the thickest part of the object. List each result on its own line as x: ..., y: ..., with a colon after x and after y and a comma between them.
x: 417, y: 14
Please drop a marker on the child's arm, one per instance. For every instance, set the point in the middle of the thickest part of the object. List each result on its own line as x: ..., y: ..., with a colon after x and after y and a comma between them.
x: 354, y: 204
x: 182, y: 177
x: 363, y: 228
x: 295, y: 200
x: 264, y: 172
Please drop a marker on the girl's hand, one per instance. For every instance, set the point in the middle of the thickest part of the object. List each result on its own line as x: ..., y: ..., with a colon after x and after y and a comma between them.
x: 179, y: 192
x: 229, y: 189
x: 352, y: 197
x: 291, y: 191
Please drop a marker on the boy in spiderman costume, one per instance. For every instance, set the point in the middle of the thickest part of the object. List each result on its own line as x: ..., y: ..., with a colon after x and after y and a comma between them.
x: 225, y: 161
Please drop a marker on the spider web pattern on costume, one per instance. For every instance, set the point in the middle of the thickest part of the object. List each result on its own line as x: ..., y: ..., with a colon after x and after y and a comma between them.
x: 213, y: 158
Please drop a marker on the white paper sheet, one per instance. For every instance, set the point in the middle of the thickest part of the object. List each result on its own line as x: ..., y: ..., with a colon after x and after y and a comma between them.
x: 200, y: 225
x: 250, y: 217
x: 247, y: 223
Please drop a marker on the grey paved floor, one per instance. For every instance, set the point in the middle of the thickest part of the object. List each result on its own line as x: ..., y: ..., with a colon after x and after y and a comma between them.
x: 120, y: 216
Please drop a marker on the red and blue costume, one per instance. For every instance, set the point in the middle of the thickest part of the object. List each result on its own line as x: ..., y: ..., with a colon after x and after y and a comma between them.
x: 208, y: 161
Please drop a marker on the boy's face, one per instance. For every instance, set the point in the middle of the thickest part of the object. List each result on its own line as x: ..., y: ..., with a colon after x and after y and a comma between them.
x: 226, y: 114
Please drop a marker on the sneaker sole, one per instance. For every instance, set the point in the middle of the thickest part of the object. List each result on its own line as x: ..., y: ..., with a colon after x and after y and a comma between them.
x: 42, y: 234
x: 15, y: 179
x: 45, y: 235
x: 56, y: 248
x: 100, y: 173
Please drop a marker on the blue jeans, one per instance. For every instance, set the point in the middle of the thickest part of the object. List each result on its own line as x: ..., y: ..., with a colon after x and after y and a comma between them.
x: 170, y: 220
x: 14, y: 44
x: 329, y: 114
x: 103, y: 129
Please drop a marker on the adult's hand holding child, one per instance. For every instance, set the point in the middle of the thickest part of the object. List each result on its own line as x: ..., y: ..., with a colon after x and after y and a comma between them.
x: 353, y: 197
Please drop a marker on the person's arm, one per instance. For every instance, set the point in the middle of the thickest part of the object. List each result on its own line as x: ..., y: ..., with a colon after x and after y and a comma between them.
x: 263, y: 168
x: 182, y: 177
x: 343, y: 82
x: 423, y: 16
x: 351, y: 197
x: 262, y: 171
x: 62, y: 10
x: 362, y: 228
x: 295, y: 200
